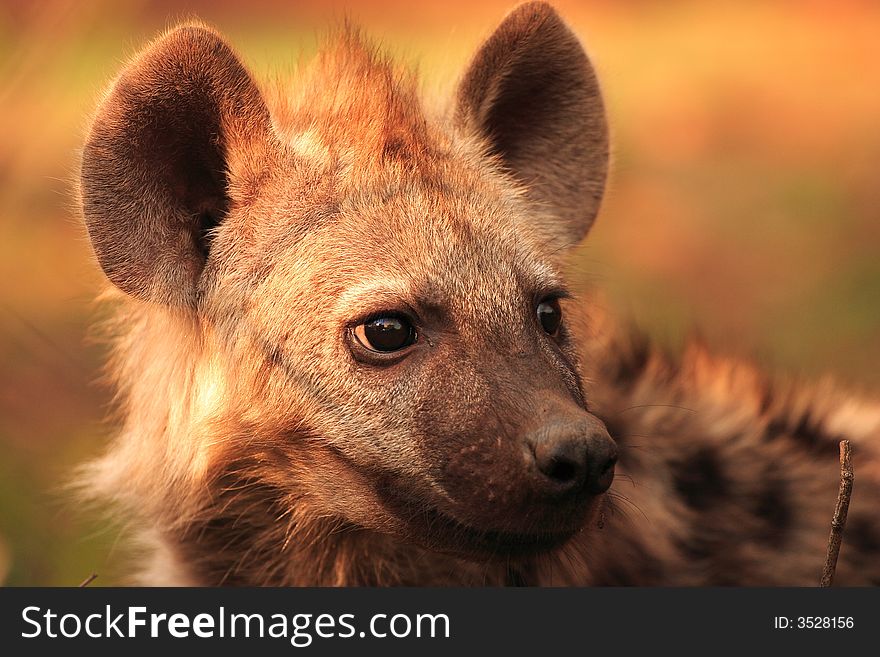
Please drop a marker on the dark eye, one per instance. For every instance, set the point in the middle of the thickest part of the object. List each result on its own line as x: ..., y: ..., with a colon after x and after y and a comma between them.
x: 550, y: 316
x: 385, y: 334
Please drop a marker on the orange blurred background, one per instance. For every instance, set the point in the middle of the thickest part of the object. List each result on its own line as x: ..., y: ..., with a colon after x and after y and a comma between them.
x: 744, y: 200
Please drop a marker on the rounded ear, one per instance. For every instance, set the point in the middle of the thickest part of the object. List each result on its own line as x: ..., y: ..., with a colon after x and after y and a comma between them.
x: 157, y: 162
x: 531, y: 93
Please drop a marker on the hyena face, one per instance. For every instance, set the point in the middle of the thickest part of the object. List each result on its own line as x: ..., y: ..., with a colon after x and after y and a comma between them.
x: 376, y: 291
x: 429, y: 350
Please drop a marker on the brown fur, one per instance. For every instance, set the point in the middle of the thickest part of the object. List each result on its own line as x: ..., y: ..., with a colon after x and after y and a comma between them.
x: 249, y: 230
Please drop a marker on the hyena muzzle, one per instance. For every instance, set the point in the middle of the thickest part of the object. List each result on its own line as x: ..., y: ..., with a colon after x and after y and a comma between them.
x: 345, y: 352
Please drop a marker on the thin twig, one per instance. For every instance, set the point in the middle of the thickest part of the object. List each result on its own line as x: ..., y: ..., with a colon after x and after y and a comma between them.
x: 88, y: 580
x: 840, y: 511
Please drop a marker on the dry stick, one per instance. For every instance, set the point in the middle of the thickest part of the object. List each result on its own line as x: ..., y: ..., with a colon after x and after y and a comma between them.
x: 838, y: 522
x: 88, y: 580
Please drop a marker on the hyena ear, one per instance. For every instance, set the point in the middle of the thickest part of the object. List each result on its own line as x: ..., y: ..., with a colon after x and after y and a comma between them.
x: 179, y: 130
x: 531, y: 92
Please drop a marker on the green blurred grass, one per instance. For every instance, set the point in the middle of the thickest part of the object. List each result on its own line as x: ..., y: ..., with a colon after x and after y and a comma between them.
x: 743, y: 200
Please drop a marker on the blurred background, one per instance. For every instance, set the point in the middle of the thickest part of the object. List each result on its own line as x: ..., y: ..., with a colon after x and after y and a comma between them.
x: 745, y: 199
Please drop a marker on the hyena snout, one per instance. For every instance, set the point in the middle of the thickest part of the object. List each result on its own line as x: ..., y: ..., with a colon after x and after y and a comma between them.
x: 573, y: 457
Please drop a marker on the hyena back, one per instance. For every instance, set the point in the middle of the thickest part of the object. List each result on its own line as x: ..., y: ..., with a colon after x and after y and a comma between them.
x: 346, y: 355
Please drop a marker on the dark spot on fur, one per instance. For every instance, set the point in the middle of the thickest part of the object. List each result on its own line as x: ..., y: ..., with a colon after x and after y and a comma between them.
x: 274, y: 355
x: 515, y: 577
x: 716, y: 556
x: 775, y: 429
x: 631, y: 361
x: 862, y: 533
x: 215, y: 543
x: 700, y: 479
x: 394, y: 149
x: 767, y: 399
x: 773, y: 507
x: 697, y: 548
x: 807, y: 432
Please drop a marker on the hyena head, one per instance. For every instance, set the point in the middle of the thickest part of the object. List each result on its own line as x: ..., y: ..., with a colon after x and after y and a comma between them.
x: 369, y: 293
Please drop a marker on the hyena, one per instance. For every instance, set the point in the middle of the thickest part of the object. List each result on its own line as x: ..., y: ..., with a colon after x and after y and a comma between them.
x: 346, y: 354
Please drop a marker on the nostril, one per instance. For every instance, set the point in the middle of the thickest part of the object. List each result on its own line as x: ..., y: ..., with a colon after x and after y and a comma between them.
x: 563, y: 462
x: 604, y: 475
x: 561, y: 469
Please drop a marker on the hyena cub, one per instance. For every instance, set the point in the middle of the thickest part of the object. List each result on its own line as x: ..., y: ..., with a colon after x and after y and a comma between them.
x: 345, y: 353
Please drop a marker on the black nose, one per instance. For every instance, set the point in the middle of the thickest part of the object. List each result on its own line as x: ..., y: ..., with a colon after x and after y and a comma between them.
x: 575, y: 457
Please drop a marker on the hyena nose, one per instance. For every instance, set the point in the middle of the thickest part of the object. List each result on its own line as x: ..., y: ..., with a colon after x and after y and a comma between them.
x: 574, y: 459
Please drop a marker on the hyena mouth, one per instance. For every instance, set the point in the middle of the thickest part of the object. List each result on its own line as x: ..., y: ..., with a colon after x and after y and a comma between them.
x: 437, y: 530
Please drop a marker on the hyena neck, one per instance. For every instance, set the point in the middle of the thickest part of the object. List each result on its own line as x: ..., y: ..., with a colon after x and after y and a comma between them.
x: 248, y: 531
x: 325, y: 554
x: 248, y: 540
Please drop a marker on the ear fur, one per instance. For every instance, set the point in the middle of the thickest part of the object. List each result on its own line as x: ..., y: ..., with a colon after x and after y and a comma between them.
x: 531, y: 93
x: 158, y: 158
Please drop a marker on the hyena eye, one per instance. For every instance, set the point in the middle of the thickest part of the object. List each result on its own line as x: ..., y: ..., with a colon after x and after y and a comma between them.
x: 386, y: 334
x: 550, y: 316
